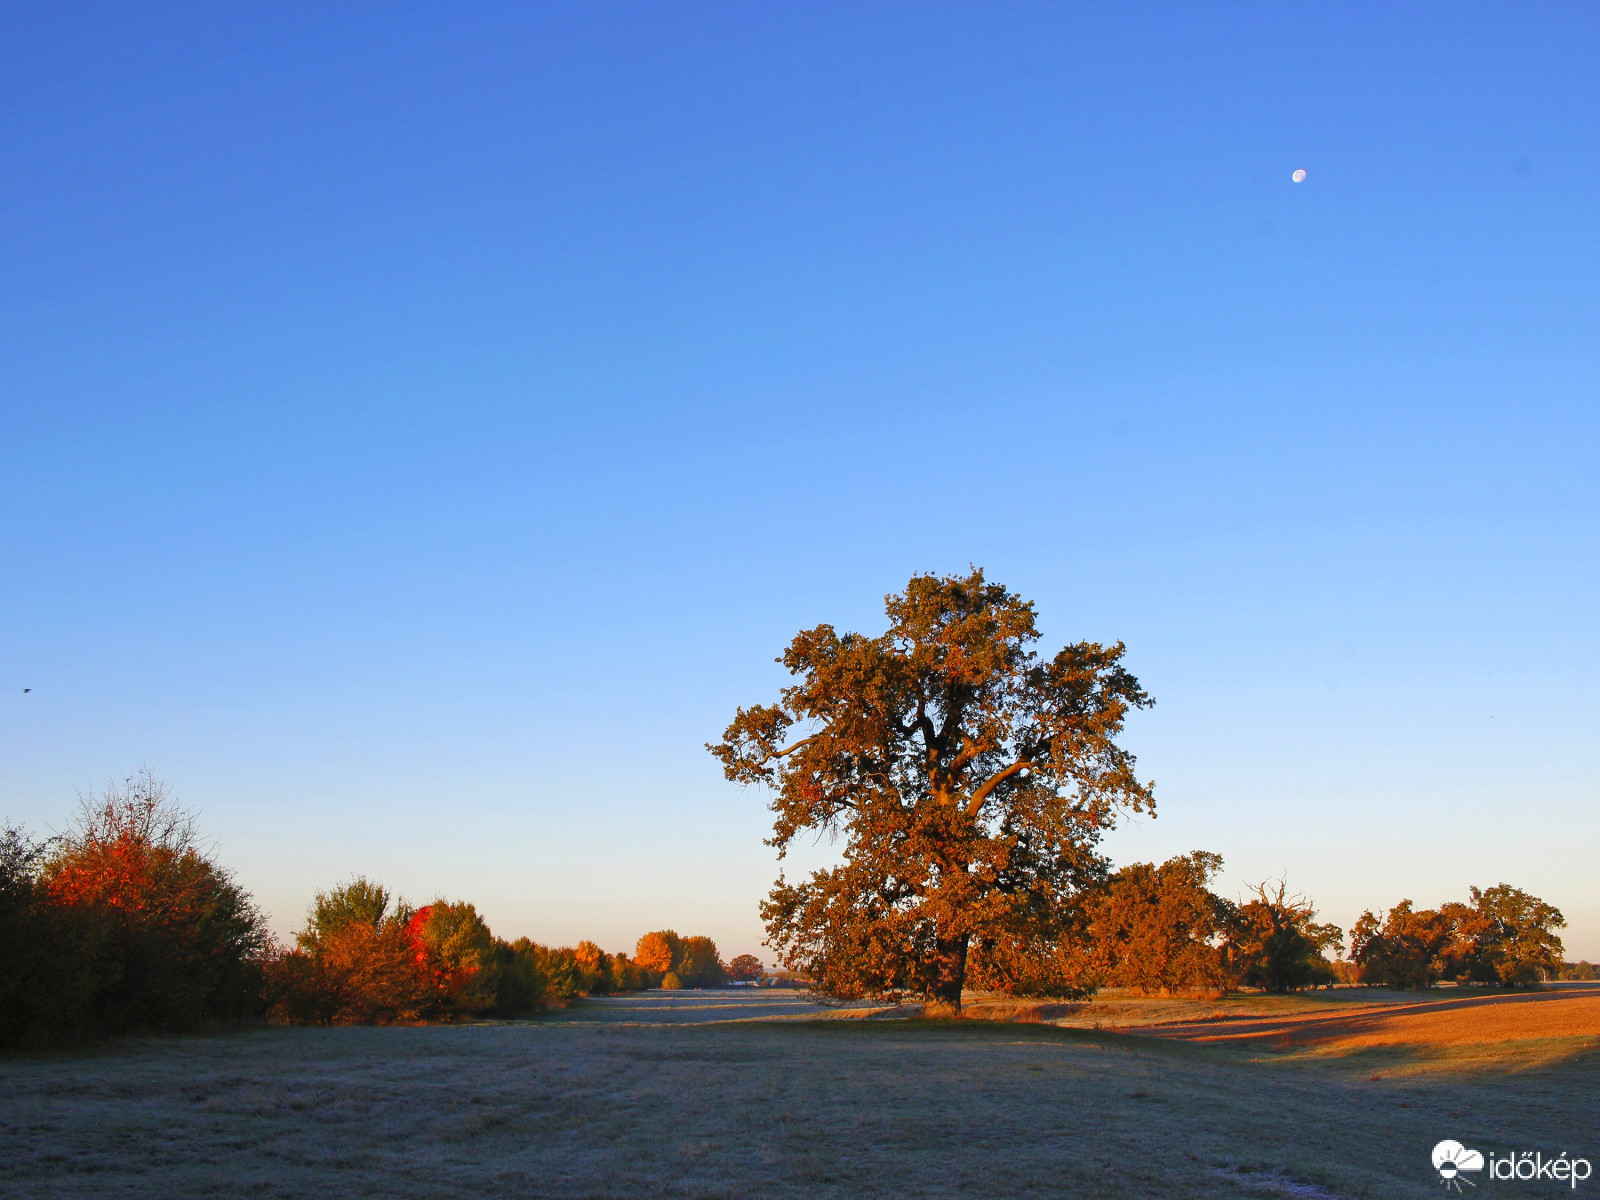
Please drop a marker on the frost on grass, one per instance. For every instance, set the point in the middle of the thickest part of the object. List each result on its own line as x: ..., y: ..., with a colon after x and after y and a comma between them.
x: 623, y: 1098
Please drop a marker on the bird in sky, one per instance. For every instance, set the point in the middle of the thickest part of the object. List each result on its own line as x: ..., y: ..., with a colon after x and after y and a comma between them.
x: 25, y: 691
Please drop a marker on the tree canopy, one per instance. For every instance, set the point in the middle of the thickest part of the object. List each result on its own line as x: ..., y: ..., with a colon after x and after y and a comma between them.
x: 1505, y: 936
x: 969, y: 780
x: 1157, y: 928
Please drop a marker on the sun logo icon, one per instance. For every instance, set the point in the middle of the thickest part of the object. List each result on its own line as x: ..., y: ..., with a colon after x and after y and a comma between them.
x: 1451, y: 1158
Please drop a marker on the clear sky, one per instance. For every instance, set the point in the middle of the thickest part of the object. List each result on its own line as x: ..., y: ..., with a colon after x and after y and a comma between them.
x: 421, y: 425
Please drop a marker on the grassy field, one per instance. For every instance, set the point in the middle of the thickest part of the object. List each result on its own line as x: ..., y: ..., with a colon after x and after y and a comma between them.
x: 758, y: 1094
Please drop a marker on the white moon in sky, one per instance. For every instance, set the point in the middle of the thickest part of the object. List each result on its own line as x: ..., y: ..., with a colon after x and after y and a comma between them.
x: 1299, y: 176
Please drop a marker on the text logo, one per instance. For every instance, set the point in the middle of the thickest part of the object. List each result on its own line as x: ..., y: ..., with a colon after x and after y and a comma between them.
x: 1532, y: 1164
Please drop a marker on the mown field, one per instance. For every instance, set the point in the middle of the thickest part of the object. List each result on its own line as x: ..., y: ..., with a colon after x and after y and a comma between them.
x: 727, y: 1094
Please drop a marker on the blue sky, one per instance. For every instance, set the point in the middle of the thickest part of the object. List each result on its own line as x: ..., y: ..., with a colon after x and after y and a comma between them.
x: 422, y: 425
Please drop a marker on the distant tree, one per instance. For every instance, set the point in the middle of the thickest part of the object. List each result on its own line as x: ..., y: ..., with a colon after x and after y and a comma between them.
x: 1504, y: 936
x: 594, y: 964
x: 520, y: 987
x: 1344, y: 973
x: 1512, y: 939
x: 1582, y: 971
x: 659, y: 951
x: 454, y: 947
x: 168, y: 938
x: 745, y: 967
x: 671, y: 982
x: 359, y: 901
x: 699, y: 964
x: 626, y: 975
x: 563, y: 976
x: 970, y: 783
x: 1158, y: 928
x: 1406, y: 949
x: 358, y: 974
x: 1275, y: 942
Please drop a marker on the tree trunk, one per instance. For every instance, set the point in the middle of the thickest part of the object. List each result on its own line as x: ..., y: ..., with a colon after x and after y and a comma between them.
x: 949, y: 972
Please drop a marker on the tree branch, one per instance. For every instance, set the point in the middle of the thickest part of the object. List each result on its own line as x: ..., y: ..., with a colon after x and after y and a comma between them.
x: 788, y: 750
x: 994, y: 781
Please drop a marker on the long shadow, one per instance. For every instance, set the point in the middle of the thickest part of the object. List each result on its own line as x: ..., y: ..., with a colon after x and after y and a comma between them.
x: 1323, y: 1025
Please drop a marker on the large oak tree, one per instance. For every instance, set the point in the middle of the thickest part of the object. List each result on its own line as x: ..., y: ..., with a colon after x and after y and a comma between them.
x: 969, y: 780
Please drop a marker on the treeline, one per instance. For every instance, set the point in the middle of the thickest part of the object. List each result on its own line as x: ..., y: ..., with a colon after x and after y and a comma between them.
x: 1161, y: 928
x: 367, y: 959
x: 1501, y: 936
x: 127, y: 923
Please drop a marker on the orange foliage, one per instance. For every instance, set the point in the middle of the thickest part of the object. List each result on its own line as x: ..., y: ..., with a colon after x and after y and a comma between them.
x: 658, y: 951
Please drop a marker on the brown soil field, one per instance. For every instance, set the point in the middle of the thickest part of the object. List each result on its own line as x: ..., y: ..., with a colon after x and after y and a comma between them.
x: 731, y: 1095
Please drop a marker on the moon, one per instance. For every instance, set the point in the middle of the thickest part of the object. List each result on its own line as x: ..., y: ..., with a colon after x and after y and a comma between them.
x: 1299, y: 176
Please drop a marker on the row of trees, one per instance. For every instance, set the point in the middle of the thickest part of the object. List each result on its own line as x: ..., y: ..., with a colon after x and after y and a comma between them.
x: 970, y: 782
x: 127, y: 922
x: 692, y: 962
x: 364, y: 958
x: 1503, y: 935
x: 1162, y: 928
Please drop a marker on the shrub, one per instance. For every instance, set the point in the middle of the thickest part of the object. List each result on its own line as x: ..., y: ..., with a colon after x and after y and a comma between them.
x: 359, y: 974
x: 671, y: 982
x: 454, y: 951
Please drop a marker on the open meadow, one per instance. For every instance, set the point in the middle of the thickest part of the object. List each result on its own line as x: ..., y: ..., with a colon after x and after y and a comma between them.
x: 746, y: 1094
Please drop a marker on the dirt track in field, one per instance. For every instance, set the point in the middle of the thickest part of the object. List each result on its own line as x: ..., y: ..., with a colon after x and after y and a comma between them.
x: 1457, y: 1021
